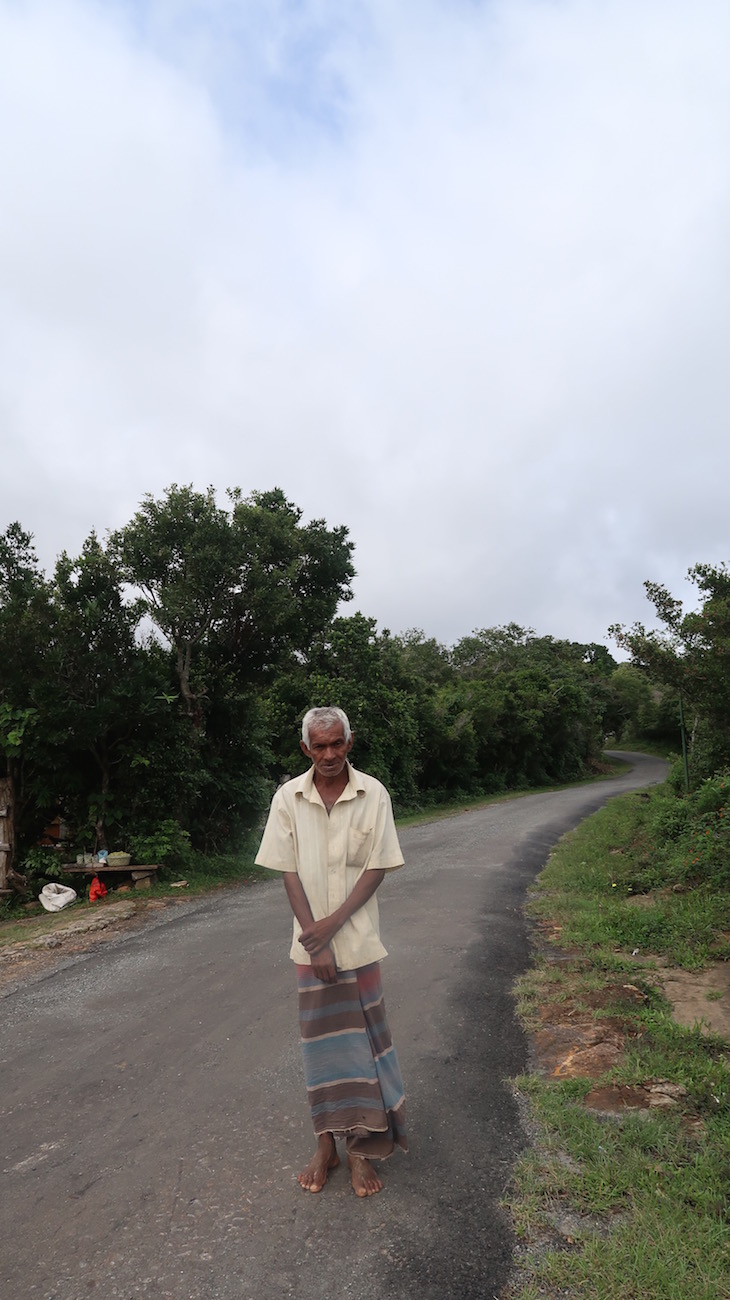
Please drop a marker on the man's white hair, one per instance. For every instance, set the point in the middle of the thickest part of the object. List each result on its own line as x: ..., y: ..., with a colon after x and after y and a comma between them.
x: 325, y: 718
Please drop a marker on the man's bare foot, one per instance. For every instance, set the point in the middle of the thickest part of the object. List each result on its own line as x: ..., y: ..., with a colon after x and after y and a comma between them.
x: 365, y: 1181
x: 314, y: 1175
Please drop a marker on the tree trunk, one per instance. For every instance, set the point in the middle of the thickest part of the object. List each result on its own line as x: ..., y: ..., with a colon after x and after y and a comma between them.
x: 7, y: 833
x: 192, y: 701
x: 100, y: 827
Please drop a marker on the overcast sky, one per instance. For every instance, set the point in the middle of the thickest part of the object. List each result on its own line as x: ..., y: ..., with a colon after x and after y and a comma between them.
x: 454, y: 274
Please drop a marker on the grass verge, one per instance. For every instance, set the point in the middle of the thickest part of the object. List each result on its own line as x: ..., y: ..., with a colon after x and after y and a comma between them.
x: 636, y: 1205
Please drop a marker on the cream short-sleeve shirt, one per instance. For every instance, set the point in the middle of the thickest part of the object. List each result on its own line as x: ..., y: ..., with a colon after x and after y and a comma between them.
x: 330, y: 853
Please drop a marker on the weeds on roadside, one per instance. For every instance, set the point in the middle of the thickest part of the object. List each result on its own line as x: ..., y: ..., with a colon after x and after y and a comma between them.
x: 616, y: 1208
x: 636, y: 1206
x: 638, y: 884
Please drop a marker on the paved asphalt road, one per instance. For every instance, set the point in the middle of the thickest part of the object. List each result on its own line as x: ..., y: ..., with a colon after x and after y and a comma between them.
x: 154, y: 1117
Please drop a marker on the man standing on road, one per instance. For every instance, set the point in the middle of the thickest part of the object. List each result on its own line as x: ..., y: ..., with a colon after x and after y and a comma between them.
x: 331, y: 832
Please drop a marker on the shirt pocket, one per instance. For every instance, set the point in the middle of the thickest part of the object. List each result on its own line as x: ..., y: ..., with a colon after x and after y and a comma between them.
x: 359, y: 847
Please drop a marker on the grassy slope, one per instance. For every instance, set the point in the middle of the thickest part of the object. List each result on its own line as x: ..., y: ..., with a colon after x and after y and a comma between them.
x: 646, y: 1195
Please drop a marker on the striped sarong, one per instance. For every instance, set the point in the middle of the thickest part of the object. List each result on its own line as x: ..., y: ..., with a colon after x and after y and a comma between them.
x: 351, y: 1070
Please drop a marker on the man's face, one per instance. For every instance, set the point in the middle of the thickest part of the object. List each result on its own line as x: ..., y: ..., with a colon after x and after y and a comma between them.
x: 328, y: 750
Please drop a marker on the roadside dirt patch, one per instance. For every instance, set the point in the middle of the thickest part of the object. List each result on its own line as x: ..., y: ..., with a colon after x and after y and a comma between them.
x: 584, y: 1049
x: 43, y: 940
x: 615, y: 1097
x: 614, y: 995
x: 573, y: 1042
x: 32, y: 945
x: 573, y: 1039
x: 700, y: 998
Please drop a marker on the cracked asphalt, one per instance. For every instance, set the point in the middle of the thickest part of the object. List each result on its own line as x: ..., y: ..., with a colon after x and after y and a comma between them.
x: 154, y: 1115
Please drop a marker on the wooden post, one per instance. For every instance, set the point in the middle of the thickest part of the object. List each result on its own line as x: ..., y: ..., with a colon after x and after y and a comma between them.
x: 6, y: 831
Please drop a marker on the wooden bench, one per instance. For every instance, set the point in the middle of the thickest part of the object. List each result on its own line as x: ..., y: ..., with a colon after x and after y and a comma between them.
x: 142, y: 877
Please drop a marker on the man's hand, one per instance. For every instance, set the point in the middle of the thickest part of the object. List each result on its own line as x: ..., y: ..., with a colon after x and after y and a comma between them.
x: 323, y: 967
x: 317, y: 935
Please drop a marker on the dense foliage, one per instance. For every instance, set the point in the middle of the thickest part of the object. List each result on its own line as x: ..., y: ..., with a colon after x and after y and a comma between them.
x: 151, y: 688
x: 688, y: 661
x: 133, y: 682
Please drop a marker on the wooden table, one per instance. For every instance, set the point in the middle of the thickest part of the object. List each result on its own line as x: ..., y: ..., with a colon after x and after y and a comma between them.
x: 142, y: 877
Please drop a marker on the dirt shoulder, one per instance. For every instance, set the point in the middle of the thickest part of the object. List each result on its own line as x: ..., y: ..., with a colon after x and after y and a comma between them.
x: 33, y: 946
x: 585, y: 1030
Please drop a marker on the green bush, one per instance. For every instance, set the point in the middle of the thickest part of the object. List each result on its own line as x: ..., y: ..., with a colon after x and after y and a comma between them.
x: 692, y: 831
x: 40, y: 865
x: 714, y: 793
x: 670, y: 815
x: 168, y: 846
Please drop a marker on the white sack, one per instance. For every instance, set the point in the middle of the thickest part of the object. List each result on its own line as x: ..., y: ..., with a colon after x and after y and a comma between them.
x: 55, y: 897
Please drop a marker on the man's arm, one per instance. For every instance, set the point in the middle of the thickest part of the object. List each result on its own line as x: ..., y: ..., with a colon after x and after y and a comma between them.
x: 323, y: 963
x: 316, y: 935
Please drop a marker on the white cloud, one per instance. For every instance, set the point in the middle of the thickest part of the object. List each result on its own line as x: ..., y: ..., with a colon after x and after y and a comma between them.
x: 455, y: 275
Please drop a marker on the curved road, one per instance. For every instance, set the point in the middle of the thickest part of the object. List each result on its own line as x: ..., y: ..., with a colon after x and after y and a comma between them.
x: 153, y: 1111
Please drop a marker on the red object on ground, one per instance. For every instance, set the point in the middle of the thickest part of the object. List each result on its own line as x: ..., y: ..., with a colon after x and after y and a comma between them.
x: 97, y: 890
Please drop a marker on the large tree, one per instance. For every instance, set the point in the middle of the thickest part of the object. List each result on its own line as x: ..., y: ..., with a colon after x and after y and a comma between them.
x: 537, y: 704
x: 690, y: 654
x: 98, y: 690
x: 25, y: 630
x: 243, y: 586
x: 357, y: 668
x: 180, y: 553
x: 237, y: 594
